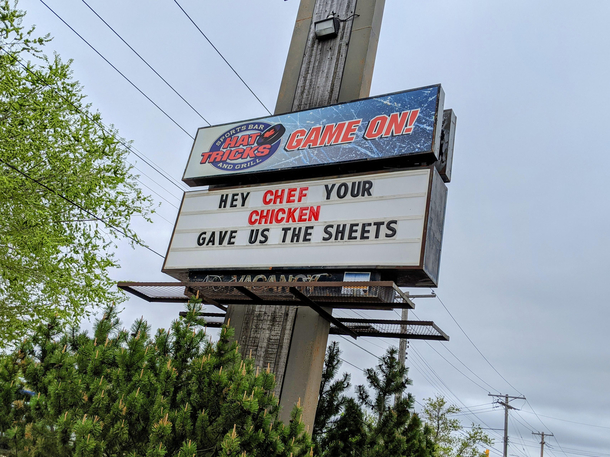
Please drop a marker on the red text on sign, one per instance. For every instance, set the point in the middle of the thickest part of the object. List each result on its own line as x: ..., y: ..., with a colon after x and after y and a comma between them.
x: 393, y: 125
x: 328, y: 135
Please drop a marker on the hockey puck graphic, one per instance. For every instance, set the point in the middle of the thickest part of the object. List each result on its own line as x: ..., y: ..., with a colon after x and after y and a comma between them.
x: 271, y: 135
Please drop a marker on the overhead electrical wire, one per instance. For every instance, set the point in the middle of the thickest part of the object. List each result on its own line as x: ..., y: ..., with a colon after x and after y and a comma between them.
x: 456, y: 368
x: 85, y: 210
x: 545, y: 426
x: 441, y: 387
x: 467, y: 413
x: 468, y: 368
x: 513, y: 419
x: 118, y: 71
x: 220, y: 54
x: 499, y: 374
x: 475, y: 346
x: 447, y: 387
x: 566, y: 420
x: 158, y: 194
x: 166, y: 190
x: 585, y: 452
x: 517, y: 413
x: 145, y: 62
x: 447, y: 391
x: 182, y: 189
x: 101, y: 125
x: 107, y: 130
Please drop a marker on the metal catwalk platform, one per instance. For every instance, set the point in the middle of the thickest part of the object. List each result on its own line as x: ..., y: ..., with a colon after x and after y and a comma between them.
x: 320, y: 296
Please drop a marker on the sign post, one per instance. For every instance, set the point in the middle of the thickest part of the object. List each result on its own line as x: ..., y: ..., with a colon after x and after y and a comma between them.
x: 317, y: 73
x: 333, y: 202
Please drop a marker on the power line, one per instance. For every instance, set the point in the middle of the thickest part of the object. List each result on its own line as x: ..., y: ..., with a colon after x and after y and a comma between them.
x: 220, y: 54
x: 532, y: 428
x: 468, y: 410
x: 457, y: 358
x: 147, y: 64
x: 544, y: 425
x: 566, y: 420
x: 158, y: 194
x: 362, y: 369
x: 435, y: 374
x: 586, y: 452
x: 166, y: 190
x: 522, y: 441
x: 350, y: 363
x: 527, y: 425
x: 90, y: 213
x: 467, y: 367
x: 516, y: 427
x: 117, y: 70
x: 98, y: 123
x: 456, y: 368
x: 475, y: 346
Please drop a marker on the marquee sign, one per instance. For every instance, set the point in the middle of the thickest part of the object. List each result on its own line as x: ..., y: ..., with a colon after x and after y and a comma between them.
x: 390, y: 222
x: 401, y: 129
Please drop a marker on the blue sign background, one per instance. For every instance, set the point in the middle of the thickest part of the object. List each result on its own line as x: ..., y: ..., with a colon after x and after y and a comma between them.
x: 423, y: 139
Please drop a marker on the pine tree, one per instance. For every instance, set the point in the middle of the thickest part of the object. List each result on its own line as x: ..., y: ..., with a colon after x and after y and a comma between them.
x: 331, y: 399
x: 391, y: 430
x: 384, y: 383
x: 124, y: 392
x: 348, y: 434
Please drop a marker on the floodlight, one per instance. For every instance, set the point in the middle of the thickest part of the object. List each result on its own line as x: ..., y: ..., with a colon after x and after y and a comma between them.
x: 327, y: 28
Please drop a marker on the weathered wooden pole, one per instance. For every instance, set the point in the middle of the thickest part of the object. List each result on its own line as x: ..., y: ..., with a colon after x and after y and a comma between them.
x: 291, y: 340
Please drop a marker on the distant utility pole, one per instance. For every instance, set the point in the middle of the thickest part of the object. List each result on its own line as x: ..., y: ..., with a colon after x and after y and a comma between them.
x: 402, y: 346
x: 542, y: 435
x: 504, y: 403
x: 403, y: 343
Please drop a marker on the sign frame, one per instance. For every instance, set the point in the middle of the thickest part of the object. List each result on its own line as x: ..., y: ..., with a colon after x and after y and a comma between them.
x: 362, y: 163
x: 425, y: 274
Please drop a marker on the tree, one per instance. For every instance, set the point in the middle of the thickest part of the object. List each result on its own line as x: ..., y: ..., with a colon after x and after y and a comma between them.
x: 344, y: 428
x: 331, y: 398
x: 448, y: 434
x: 395, y: 432
x: 120, y: 393
x: 66, y: 191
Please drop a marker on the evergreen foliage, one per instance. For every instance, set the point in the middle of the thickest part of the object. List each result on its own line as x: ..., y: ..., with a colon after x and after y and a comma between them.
x: 55, y: 158
x: 331, y: 399
x: 374, y: 424
x: 127, y: 393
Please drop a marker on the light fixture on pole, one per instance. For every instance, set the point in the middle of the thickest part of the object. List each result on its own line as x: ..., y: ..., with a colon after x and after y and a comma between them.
x: 327, y: 28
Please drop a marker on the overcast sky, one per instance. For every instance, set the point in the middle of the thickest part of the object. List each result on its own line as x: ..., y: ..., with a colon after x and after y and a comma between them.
x: 525, y: 266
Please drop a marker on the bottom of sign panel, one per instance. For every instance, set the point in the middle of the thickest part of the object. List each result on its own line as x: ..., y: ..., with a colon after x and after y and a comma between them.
x: 406, y: 277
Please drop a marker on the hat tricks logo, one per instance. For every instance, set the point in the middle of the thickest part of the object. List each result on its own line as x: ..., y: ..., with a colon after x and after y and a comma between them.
x: 244, y: 146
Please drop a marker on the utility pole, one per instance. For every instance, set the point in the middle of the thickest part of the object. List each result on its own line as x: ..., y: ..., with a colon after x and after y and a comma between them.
x: 542, y: 442
x: 505, y: 403
x: 402, y: 346
x: 403, y: 342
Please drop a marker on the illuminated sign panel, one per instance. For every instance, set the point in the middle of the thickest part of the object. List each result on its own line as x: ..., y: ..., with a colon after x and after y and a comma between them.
x: 402, y: 129
x: 390, y: 222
